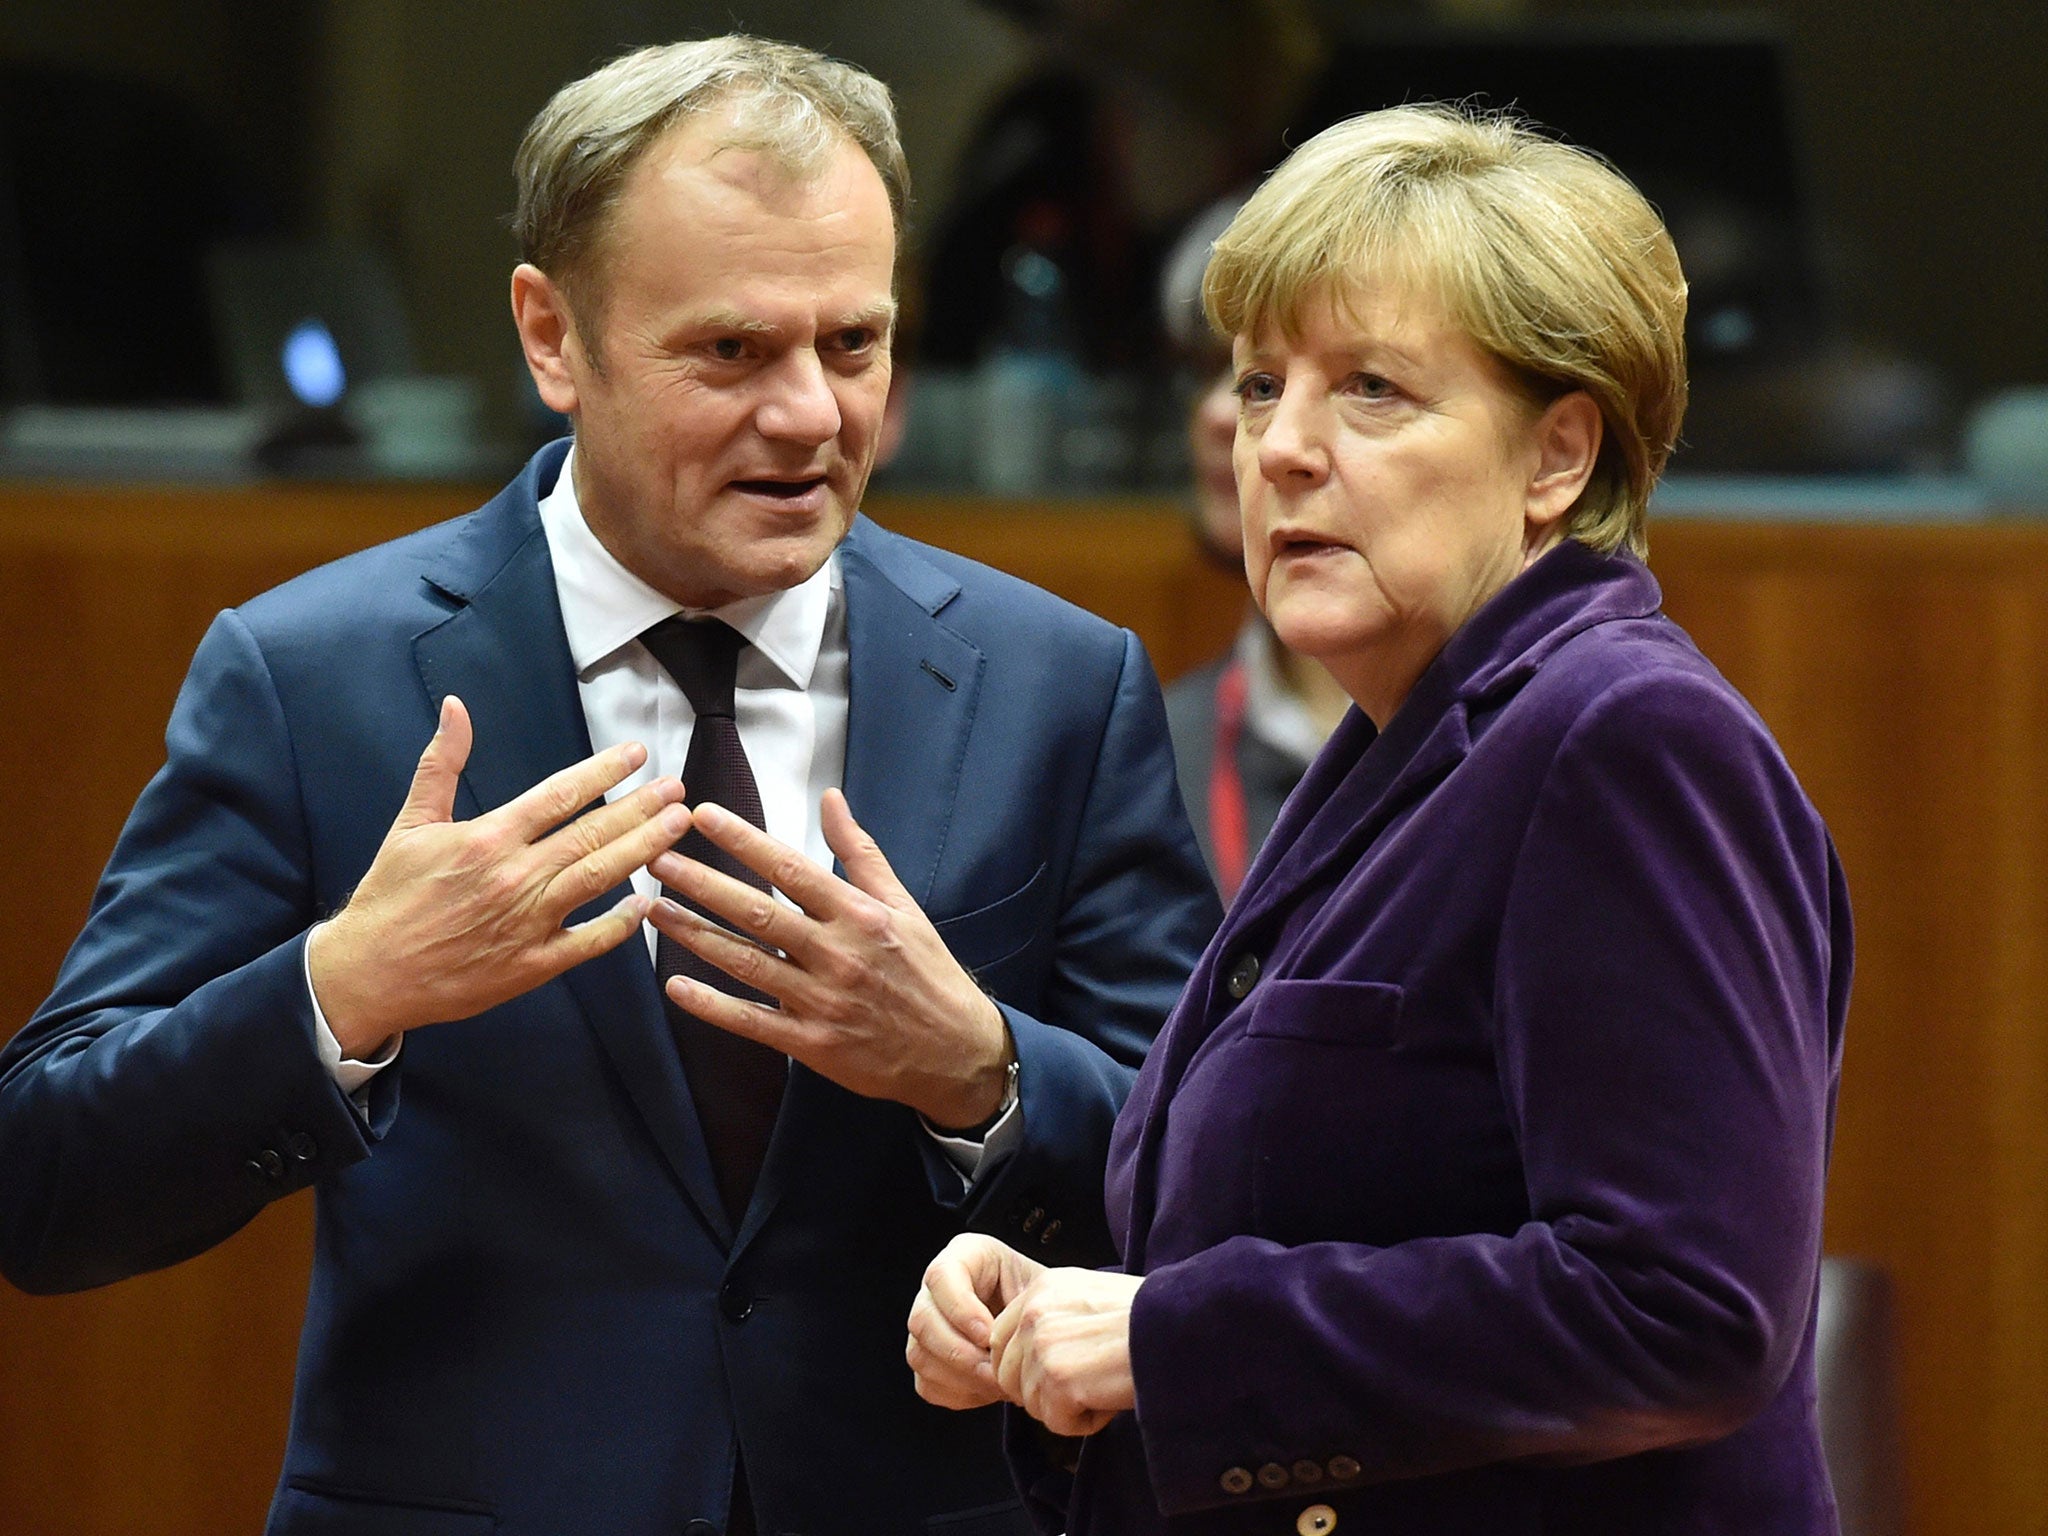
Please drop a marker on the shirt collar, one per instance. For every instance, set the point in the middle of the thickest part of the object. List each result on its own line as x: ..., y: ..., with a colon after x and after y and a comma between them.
x: 604, y: 605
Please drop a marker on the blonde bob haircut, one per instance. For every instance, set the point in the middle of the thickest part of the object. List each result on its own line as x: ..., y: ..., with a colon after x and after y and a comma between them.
x: 787, y: 102
x: 1544, y: 255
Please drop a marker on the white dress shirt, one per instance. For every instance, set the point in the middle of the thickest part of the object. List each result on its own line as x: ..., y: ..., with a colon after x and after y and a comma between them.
x: 789, y: 701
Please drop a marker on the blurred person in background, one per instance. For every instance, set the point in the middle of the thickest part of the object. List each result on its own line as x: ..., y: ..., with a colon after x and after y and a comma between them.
x: 1246, y: 725
x: 1475, y: 1185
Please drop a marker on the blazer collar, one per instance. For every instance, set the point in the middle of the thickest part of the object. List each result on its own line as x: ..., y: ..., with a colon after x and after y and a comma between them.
x: 1363, y: 779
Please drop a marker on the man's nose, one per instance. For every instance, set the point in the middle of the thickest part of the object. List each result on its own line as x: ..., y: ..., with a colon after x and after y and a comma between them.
x: 800, y: 406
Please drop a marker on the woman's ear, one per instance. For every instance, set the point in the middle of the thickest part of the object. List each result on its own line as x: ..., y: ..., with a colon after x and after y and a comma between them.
x: 1568, y: 436
x: 547, y: 331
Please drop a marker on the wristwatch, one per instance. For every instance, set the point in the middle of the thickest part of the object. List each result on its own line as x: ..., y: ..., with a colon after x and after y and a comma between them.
x: 980, y: 1132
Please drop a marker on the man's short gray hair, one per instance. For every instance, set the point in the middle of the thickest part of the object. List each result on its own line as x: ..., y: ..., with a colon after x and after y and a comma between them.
x: 788, y: 102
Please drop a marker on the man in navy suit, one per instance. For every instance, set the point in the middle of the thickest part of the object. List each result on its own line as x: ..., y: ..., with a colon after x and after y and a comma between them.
x: 424, y: 983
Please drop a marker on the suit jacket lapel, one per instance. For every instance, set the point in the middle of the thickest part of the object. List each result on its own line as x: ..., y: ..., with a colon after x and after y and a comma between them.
x: 503, y: 652
x: 913, y: 685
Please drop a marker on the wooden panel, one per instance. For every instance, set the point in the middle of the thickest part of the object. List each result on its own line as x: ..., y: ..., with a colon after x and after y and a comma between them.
x: 1901, y: 667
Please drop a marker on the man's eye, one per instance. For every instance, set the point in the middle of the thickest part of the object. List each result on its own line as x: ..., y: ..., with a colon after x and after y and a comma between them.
x: 728, y: 349
x: 857, y: 338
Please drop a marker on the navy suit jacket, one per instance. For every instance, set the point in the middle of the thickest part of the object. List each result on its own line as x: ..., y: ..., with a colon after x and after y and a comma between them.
x: 529, y: 1312
x: 1477, y: 1179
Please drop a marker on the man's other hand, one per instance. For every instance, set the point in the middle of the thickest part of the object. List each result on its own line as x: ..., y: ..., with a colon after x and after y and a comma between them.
x: 456, y: 917
x: 871, y: 997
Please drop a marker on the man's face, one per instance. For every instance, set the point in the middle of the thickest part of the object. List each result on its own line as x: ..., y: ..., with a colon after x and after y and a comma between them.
x: 728, y: 406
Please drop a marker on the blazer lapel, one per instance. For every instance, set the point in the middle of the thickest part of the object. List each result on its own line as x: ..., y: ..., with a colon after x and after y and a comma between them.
x: 503, y: 652
x: 913, y: 686
x: 912, y: 689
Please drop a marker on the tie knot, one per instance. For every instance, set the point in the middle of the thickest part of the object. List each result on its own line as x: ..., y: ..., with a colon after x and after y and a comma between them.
x: 702, y: 655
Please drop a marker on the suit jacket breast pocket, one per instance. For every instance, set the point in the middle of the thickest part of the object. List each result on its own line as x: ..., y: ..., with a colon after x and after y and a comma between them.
x: 1004, y: 943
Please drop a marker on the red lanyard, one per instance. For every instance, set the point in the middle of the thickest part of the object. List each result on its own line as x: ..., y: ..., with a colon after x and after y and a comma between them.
x: 1229, y: 836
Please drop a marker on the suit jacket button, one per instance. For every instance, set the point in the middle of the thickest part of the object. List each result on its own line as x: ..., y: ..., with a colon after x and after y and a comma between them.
x: 1243, y: 976
x: 1236, y: 1480
x: 1052, y: 1230
x: 734, y: 1302
x: 1308, y: 1472
x: 1273, y: 1476
x: 1316, y: 1520
x: 1344, y: 1468
x: 302, y: 1147
x: 700, y: 1528
x: 267, y: 1164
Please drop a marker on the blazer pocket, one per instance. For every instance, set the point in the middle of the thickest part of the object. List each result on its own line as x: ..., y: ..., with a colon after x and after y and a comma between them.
x: 1326, y: 1012
x: 989, y: 1520
x: 992, y: 934
x: 310, y: 1508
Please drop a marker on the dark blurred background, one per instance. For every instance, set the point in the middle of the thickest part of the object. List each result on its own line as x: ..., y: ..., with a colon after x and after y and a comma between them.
x: 193, y: 194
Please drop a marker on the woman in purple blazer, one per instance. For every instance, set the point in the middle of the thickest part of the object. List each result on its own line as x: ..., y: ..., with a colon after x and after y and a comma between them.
x: 1475, y: 1185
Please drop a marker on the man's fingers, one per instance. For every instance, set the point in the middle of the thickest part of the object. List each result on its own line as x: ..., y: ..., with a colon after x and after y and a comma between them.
x: 815, y: 889
x: 755, y: 1021
x: 559, y: 796
x: 754, y: 912
x: 432, y: 796
x: 611, y: 862
x: 595, y: 936
x: 603, y: 825
x: 866, y: 865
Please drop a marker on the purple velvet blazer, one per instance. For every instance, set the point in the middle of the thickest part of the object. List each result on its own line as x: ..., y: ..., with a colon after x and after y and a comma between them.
x: 1477, y: 1177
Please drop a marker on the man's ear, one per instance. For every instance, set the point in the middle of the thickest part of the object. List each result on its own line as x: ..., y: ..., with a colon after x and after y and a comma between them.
x: 1568, y: 436
x: 547, y: 333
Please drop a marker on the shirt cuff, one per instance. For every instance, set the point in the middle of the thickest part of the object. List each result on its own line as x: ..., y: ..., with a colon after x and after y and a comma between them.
x: 971, y: 1156
x: 350, y: 1075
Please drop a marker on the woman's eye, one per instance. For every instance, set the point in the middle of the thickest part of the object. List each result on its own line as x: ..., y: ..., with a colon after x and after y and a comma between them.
x: 1257, y: 388
x: 1372, y: 385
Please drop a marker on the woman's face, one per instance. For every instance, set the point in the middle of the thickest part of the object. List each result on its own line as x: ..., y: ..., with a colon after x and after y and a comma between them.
x: 1392, y: 479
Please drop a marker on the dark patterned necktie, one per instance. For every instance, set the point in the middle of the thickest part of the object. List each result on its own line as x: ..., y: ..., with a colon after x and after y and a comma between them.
x: 735, y: 1083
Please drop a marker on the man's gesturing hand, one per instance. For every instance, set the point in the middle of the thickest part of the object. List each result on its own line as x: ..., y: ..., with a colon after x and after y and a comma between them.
x: 871, y: 998
x: 455, y: 917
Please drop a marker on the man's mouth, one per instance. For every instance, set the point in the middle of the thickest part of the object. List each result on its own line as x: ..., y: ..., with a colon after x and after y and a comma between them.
x: 781, y: 490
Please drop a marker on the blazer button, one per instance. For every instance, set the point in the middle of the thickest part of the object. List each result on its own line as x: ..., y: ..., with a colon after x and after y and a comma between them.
x: 1345, y: 1468
x: 1273, y: 1476
x: 302, y: 1147
x: 1308, y: 1472
x: 267, y: 1165
x: 1236, y: 1480
x: 735, y: 1302
x: 1316, y: 1520
x: 1052, y: 1230
x: 1243, y: 976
